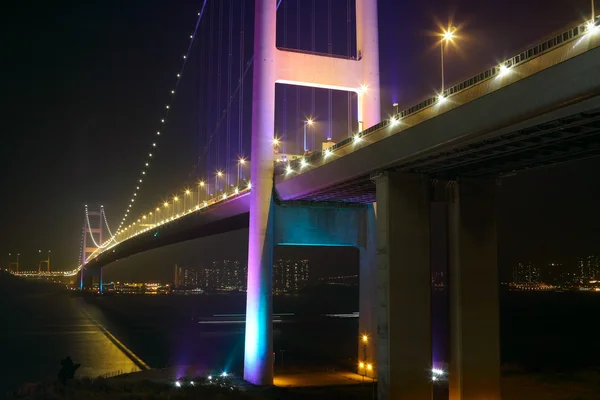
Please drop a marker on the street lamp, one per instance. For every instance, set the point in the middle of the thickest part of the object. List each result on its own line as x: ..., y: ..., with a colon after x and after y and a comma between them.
x: 200, y: 184
x: 187, y: 193
x: 217, y: 176
x: 308, y: 122
x: 175, y: 200
x: 241, y: 163
x: 447, y: 36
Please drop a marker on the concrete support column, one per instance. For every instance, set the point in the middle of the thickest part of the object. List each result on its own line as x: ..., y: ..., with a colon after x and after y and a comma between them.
x: 474, y: 315
x: 367, y: 323
x: 258, y: 354
x: 404, y: 287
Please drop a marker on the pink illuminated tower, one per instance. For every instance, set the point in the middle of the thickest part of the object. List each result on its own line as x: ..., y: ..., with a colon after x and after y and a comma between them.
x: 273, y: 66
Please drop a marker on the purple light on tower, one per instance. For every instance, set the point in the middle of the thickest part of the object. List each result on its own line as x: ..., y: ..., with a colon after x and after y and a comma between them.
x: 258, y: 355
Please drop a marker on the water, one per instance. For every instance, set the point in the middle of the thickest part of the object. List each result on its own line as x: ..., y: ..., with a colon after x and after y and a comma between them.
x: 42, y: 323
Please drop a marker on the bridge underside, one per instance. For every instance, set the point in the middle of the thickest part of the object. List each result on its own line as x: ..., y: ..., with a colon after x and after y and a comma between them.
x: 224, y: 217
x: 566, y: 139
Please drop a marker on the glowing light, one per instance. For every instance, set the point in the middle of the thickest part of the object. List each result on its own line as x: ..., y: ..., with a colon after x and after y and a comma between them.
x: 434, y: 378
x: 448, y: 35
x: 210, y: 377
x: 365, y: 338
x: 172, y: 92
x: 224, y: 196
x: 224, y: 374
x: 289, y: 169
x: 236, y: 191
x: 357, y: 138
x: 242, y: 161
x: 202, y: 183
x: 176, y: 198
x: 369, y: 367
x: 177, y: 383
x: 179, y: 75
x: 364, y: 88
x: 163, y: 121
x: 153, y: 144
x: 395, y: 121
x: 187, y: 191
x: 441, y: 99
x: 219, y: 174
x: 166, y: 204
x: 503, y: 70
x: 168, y: 107
x: 327, y: 153
x: 149, y: 154
x: 303, y: 163
x: 157, y: 208
x: 249, y: 185
x: 361, y: 364
x: 437, y: 371
x: 591, y: 27
x: 275, y: 142
x: 310, y: 121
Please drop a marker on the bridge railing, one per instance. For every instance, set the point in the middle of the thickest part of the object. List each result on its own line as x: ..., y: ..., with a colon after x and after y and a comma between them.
x: 525, y: 56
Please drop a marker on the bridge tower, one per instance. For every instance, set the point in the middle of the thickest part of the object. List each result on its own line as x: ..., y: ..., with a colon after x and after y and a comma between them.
x: 271, y: 66
x: 88, y: 248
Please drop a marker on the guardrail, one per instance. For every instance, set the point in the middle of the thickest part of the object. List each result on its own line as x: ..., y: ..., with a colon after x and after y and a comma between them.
x: 525, y: 56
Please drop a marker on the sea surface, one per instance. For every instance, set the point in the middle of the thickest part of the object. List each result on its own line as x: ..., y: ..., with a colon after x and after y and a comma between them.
x: 42, y: 323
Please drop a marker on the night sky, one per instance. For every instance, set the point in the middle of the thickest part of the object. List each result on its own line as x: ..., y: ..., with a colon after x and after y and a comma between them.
x: 85, y: 84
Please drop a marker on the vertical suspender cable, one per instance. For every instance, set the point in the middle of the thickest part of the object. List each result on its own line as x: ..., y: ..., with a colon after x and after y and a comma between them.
x: 299, y: 122
x: 349, y: 52
x: 330, y: 50
x: 313, y: 48
x: 284, y: 111
x: 228, y: 158
x: 241, y: 80
x: 219, y: 65
x: 211, y: 47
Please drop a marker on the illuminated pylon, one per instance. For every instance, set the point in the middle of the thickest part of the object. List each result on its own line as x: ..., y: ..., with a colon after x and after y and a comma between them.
x: 88, y: 233
x: 14, y: 263
x: 271, y: 66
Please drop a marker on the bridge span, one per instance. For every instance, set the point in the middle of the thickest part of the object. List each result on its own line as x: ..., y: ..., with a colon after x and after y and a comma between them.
x: 375, y: 192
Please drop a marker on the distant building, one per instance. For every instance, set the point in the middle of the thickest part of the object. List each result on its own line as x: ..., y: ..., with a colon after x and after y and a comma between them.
x: 589, y: 267
x: 526, y: 273
x: 186, y: 277
x: 290, y: 276
x: 225, y: 275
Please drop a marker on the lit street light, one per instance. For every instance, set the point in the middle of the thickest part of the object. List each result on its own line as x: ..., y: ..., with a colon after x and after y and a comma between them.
x: 447, y: 36
x: 217, y: 176
x: 201, y: 184
x: 308, y: 122
x: 187, y: 193
x: 241, y: 163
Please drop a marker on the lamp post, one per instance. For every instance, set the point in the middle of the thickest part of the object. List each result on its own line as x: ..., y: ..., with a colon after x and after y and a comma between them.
x: 187, y: 193
x: 201, y: 184
x: 395, y: 105
x: 447, y: 36
x: 241, y: 163
x: 217, y: 176
x: 308, y: 122
x: 175, y: 200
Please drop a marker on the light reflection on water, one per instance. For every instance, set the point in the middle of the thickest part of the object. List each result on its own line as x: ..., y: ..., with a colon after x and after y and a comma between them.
x: 41, y: 325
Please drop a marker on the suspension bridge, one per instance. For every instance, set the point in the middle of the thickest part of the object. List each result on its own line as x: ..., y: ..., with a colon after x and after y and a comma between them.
x: 372, y: 183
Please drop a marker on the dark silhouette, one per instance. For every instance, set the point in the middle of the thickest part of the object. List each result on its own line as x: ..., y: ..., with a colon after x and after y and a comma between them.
x: 67, y: 371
